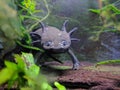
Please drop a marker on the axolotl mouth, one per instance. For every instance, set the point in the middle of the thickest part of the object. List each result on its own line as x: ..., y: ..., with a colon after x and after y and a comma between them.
x: 56, y: 51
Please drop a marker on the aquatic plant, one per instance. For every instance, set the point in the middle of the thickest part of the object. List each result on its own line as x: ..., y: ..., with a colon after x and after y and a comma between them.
x: 108, y: 15
x: 12, y: 26
x: 10, y: 29
x: 24, y: 74
x: 59, y: 86
x: 106, y: 62
x: 28, y: 12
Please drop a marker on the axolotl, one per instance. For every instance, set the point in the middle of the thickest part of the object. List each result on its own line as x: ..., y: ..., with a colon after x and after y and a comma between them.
x: 54, y: 41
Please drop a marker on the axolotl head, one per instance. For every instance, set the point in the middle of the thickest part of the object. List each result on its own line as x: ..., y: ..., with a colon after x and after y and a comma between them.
x: 55, y: 40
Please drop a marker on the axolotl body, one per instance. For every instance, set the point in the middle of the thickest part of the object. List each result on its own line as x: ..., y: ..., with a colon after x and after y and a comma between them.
x: 54, y: 41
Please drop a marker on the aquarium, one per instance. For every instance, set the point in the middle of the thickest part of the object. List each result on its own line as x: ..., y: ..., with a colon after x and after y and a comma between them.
x: 60, y: 44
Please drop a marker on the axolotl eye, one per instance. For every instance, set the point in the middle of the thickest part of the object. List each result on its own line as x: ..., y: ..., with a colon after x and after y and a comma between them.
x: 48, y: 43
x: 63, y: 43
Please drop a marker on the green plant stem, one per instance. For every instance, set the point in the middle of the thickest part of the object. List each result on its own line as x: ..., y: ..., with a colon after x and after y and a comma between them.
x: 107, y: 62
x: 48, y: 13
x: 30, y: 17
x: 29, y: 47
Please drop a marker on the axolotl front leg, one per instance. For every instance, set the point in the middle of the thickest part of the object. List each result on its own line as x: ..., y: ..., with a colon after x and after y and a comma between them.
x: 75, y: 61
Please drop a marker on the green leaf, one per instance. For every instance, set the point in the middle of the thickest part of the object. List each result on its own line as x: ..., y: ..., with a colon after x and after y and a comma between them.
x: 107, y: 62
x: 29, y: 4
x: 5, y: 75
x: 11, y: 65
x: 20, y: 63
x: 46, y: 86
x: 34, y: 69
x: 95, y: 11
x: 115, y: 9
x: 8, y: 72
x: 12, y: 80
x: 28, y: 58
x: 59, y: 86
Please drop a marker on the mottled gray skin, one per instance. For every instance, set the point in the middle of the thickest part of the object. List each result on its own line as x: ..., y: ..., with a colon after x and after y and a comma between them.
x: 55, y: 41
